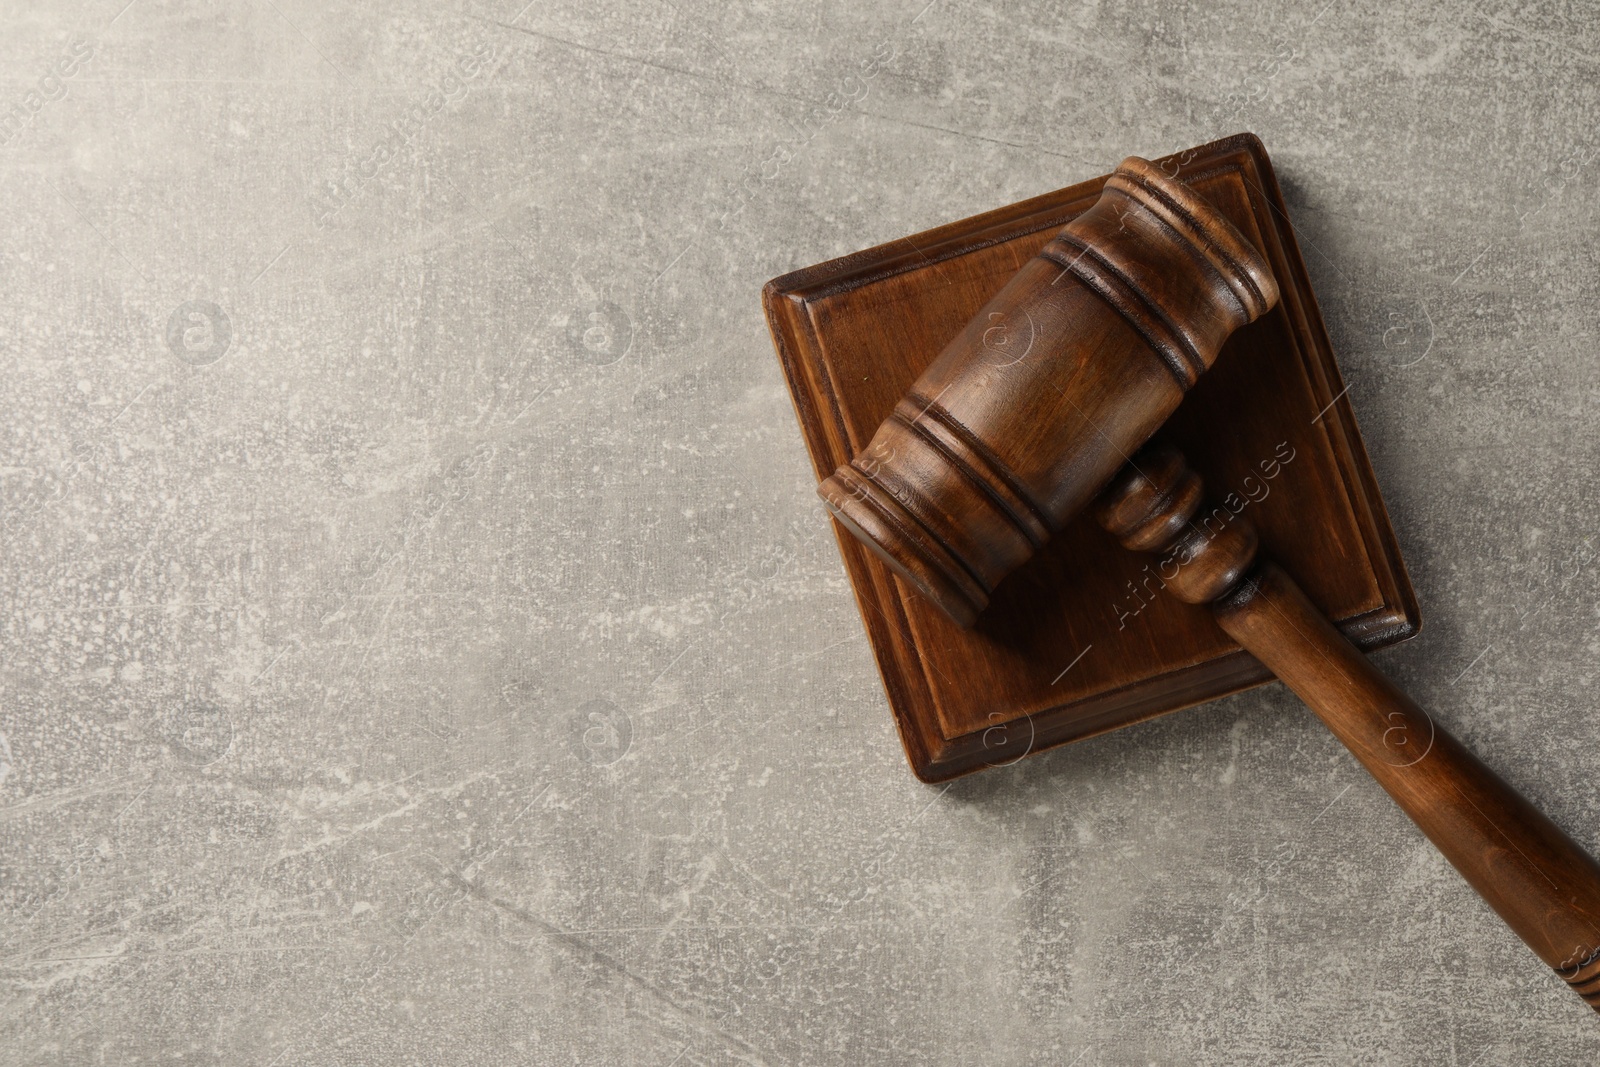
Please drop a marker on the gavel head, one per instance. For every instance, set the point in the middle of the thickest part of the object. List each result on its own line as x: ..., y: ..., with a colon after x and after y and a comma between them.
x: 1032, y: 409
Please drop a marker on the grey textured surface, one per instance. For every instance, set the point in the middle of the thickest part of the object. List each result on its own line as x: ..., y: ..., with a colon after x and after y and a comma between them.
x: 432, y: 669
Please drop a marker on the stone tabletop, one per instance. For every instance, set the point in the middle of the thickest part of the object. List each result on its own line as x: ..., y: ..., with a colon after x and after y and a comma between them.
x: 419, y: 642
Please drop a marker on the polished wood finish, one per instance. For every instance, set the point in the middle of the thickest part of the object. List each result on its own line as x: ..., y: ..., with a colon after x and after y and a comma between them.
x: 1032, y: 408
x: 1537, y: 878
x: 1006, y: 435
x: 1077, y: 640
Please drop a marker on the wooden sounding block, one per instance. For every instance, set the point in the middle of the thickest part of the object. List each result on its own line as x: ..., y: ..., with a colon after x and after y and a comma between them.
x: 1082, y: 638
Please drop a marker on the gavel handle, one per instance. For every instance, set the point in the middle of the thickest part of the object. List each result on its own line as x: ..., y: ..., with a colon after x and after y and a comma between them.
x: 1541, y: 882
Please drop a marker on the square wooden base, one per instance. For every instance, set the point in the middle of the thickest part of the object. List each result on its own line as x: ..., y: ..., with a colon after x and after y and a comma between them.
x: 1082, y: 639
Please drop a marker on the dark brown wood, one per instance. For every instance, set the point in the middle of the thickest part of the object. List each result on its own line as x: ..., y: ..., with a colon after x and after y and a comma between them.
x: 1032, y: 408
x: 1538, y: 879
x: 1074, y: 643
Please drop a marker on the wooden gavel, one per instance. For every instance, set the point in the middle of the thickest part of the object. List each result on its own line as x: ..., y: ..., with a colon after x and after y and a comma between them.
x: 1038, y: 407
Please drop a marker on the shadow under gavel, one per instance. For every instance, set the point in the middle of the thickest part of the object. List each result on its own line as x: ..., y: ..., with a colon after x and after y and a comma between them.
x: 1034, y: 411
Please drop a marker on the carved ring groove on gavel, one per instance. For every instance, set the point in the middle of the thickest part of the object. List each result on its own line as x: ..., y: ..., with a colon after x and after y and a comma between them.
x: 1033, y: 411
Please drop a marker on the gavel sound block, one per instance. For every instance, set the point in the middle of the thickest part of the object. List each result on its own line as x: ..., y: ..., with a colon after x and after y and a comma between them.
x: 1082, y: 639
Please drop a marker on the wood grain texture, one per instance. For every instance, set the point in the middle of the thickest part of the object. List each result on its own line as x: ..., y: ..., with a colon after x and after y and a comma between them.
x: 1536, y: 878
x: 1079, y: 640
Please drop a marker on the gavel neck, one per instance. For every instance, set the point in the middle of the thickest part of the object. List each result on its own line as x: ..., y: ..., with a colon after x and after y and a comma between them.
x: 1157, y: 504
